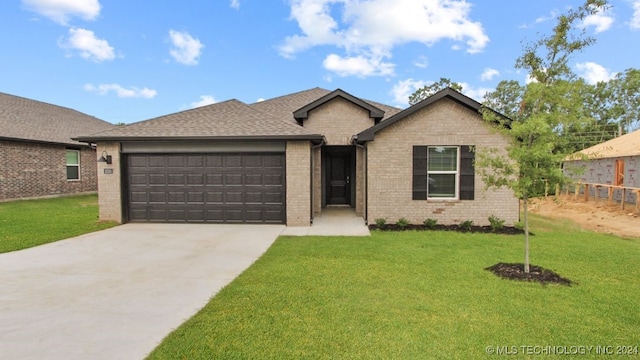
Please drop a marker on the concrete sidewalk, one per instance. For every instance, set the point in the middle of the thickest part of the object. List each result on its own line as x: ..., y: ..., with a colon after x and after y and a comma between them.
x: 115, y: 294
x: 337, y: 221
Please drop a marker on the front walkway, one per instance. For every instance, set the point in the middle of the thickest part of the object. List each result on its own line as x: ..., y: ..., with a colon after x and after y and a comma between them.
x: 339, y: 221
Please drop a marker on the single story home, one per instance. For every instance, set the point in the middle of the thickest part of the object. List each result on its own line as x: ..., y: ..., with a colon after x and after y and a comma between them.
x: 615, y: 162
x: 38, y: 158
x: 285, y: 159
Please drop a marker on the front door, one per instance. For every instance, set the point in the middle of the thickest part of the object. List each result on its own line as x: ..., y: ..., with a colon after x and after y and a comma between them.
x: 339, y: 178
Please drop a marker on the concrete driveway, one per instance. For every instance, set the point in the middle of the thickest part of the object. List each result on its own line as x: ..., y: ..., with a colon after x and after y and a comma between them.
x: 115, y: 294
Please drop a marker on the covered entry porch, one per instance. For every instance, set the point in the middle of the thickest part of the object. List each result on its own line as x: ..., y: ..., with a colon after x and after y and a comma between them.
x: 338, y: 179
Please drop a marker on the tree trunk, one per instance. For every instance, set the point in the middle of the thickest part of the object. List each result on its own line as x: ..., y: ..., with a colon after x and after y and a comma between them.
x: 526, y: 234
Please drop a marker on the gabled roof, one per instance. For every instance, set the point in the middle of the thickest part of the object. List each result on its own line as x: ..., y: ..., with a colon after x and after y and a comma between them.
x: 369, y: 134
x: 625, y: 145
x: 30, y: 120
x: 230, y: 119
x: 303, y: 112
x: 283, y: 107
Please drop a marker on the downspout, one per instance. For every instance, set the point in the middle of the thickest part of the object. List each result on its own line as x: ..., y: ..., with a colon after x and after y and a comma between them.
x: 354, y: 141
x: 311, y: 193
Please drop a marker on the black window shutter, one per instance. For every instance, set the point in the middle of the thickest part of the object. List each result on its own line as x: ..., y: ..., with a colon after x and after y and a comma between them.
x: 419, y: 173
x: 467, y: 172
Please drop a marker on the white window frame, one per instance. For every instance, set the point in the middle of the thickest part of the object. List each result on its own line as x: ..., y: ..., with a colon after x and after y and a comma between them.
x: 66, y: 169
x: 456, y: 192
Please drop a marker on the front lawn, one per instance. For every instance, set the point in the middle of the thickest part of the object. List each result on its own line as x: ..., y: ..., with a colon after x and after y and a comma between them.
x: 28, y: 223
x: 415, y: 295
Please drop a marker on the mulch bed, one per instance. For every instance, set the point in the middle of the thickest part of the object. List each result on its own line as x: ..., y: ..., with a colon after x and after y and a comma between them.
x: 509, y: 230
x: 535, y: 274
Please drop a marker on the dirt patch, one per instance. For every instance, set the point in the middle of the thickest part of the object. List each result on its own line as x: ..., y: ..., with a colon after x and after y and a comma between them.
x: 596, y: 216
x: 536, y: 274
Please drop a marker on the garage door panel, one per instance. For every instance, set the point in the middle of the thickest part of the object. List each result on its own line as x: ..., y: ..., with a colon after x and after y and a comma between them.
x: 157, y: 179
x: 233, y: 179
x: 215, y: 188
x: 156, y: 161
x: 195, y: 179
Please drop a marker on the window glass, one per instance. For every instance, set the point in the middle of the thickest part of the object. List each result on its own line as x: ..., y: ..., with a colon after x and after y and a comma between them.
x: 73, y: 164
x: 443, y: 158
x: 442, y: 172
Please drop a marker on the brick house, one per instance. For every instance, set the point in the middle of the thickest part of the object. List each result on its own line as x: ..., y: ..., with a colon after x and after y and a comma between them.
x: 284, y: 160
x: 38, y: 158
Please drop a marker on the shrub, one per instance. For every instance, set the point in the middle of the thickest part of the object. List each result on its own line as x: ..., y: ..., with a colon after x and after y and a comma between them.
x: 519, y: 225
x: 402, y: 223
x: 430, y: 223
x: 466, y: 225
x: 496, y: 223
x: 380, y: 222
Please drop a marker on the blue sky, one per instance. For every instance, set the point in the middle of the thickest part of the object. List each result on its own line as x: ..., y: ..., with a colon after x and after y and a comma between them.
x: 126, y: 61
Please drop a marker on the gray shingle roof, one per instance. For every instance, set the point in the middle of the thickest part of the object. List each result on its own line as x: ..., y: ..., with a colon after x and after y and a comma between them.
x: 282, y: 107
x: 31, y: 120
x: 229, y: 119
x: 269, y: 119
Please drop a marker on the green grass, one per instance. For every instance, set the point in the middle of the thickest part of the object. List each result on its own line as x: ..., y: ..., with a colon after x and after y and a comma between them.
x: 418, y: 295
x: 28, y: 223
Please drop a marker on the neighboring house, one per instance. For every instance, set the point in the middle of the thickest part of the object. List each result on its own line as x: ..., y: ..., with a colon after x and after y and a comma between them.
x: 614, y: 162
x: 38, y: 158
x: 285, y: 159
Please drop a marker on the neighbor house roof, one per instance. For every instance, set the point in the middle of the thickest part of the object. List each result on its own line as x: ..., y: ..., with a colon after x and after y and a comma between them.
x: 625, y: 145
x: 30, y: 120
x: 369, y: 134
x: 231, y: 119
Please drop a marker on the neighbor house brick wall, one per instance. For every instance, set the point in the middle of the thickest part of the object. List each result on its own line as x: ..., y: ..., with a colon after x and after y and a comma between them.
x: 298, y: 183
x: 110, y: 183
x: 390, y: 168
x: 338, y: 120
x: 31, y: 169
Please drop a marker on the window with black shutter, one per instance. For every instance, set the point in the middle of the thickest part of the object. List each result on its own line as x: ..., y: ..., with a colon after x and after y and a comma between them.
x: 443, y: 172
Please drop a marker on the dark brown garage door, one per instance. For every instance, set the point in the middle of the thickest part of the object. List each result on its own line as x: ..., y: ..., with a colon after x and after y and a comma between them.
x: 215, y: 188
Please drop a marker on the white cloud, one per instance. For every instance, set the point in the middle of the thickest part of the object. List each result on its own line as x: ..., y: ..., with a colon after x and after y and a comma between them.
x: 601, y: 20
x: 61, y: 11
x: 476, y: 94
x: 594, y: 73
x: 88, y: 45
x: 635, y: 18
x: 422, y: 62
x: 235, y: 4
x: 359, y: 66
x: 489, y: 74
x: 403, y: 89
x: 371, y: 29
x: 121, y: 92
x: 186, y: 49
x: 204, y: 101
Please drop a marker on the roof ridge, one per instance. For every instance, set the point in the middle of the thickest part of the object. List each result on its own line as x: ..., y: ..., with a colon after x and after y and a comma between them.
x: 51, y: 104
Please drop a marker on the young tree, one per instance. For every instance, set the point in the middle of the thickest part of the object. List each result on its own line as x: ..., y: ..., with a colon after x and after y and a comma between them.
x: 428, y: 90
x: 549, y: 105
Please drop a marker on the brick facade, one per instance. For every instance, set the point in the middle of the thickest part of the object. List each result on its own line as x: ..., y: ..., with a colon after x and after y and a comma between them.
x: 110, y: 184
x: 31, y: 170
x: 390, y: 166
x: 338, y: 120
x: 298, y: 183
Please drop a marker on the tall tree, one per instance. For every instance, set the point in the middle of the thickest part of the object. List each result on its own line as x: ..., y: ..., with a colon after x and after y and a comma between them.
x: 550, y: 104
x: 428, y: 90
